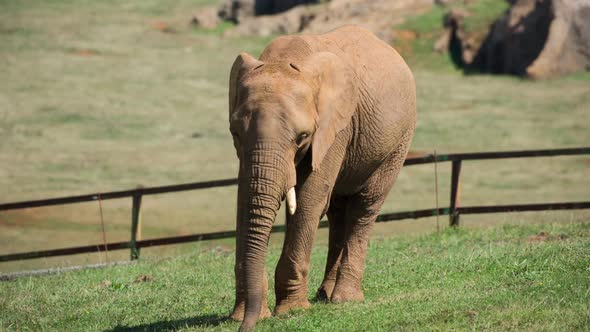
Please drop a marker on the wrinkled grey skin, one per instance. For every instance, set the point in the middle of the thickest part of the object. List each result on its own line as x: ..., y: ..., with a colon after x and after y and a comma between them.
x: 331, y: 116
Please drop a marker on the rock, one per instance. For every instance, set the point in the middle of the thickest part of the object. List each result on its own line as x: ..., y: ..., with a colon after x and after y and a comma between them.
x: 238, y: 11
x: 441, y: 45
x: 379, y: 16
x: 292, y: 21
x: 567, y: 48
x: 516, y: 39
x: 279, y: 6
x: 206, y: 18
x: 443, y: 3
x: 538, y: 39
x: 453, y: 28
x: 455, y: 40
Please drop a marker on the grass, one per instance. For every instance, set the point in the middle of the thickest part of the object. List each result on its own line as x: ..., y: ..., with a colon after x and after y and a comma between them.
x: 103, y: 96
x: 516, y: 277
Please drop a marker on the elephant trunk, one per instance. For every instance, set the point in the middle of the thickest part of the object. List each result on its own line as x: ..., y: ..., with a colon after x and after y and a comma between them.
x: 264, y: 181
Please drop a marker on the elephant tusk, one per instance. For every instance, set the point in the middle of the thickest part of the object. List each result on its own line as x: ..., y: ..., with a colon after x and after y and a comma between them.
x: 291, y: 201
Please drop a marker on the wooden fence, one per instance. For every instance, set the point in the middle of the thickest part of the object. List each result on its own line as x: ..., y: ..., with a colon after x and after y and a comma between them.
x: 454, y: 210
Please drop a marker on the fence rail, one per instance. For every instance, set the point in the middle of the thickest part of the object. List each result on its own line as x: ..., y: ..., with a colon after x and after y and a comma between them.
x: 453, y: 211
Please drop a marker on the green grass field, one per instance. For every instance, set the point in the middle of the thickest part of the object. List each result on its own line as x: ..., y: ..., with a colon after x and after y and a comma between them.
x: 98, y: 96
x: 510, y: 278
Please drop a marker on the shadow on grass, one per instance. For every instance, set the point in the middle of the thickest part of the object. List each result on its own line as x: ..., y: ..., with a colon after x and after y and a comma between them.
x: 173, y: 325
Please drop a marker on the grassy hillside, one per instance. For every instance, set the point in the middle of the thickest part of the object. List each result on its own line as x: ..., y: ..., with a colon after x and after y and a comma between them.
x: 103, y: 95
x: 521, y: 278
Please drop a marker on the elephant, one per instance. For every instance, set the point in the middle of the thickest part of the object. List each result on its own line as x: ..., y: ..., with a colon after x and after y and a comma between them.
x: 324, y: 122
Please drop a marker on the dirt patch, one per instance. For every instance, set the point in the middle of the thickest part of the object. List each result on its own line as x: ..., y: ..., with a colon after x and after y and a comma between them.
x: 403, y: 41
x: 86, y: 52
x: 406, y: 34
x: 23, y: 217
x: 143, y: 278
x: 163, y: 27
x: 543, y: 236
x: 83, y: 52
x: 105, y: 283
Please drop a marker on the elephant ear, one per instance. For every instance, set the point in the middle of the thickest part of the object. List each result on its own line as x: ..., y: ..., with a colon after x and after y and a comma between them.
x: 243, y: 63
x: 335, y: 100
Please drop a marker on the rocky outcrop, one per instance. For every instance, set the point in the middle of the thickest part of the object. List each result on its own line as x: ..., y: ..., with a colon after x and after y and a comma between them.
x: 459, y: 44
x: 516, y: 39
x: 207, y: 18
x: 239, y: 10
x: 378, y: 16
x: 268, y: 17
x: 292, y: 21
x: 567, y: 48
x: 534, y: 38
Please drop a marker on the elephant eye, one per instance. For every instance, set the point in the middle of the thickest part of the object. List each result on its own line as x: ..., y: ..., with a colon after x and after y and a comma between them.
x: 301, y: 138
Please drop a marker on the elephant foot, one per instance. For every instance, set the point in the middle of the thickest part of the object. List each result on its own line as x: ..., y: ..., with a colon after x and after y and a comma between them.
x: 284, y: 307
x: 346, y: 294
x: 324, y: 293
x: 239, y: 310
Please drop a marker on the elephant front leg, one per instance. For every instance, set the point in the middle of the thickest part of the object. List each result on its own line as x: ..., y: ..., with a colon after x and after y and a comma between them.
x: 313, y: 192
x: 293, y: 268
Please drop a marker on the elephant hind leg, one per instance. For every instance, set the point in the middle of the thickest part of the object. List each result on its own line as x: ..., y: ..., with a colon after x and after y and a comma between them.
x: 337, y: 240
x: 359, y: 221
x: 361, y: 212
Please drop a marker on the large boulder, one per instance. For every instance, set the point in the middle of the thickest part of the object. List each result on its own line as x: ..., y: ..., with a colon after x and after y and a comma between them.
x: 206, y: 18
x: 378, y: 16
x: 238, y: 11
x: 567, y: 48
x: 289, y: 22
x: 454, y: 39
x: 538, y: 39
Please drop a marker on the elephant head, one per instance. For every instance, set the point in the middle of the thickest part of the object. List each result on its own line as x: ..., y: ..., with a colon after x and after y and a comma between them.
x: 278, y: 112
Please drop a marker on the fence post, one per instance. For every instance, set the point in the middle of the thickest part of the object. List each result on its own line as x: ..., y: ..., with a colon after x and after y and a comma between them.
x: 135, y: 224
x: 455, y: 193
